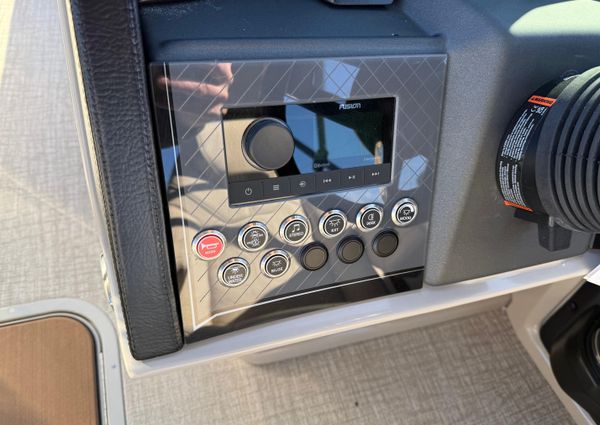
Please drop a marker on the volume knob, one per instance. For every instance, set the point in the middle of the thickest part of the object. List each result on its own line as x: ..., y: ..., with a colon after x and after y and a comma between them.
x: 268, y: 143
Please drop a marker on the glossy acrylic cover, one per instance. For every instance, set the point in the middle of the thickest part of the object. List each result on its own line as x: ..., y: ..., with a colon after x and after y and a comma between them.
x: 189, y: 99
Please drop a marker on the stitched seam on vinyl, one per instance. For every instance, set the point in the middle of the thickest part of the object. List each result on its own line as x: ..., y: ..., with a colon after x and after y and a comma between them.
x: 160, y: 248
x: 101, y: 161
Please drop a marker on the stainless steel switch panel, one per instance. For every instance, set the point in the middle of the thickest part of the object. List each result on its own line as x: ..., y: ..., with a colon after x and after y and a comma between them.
x: 190, y: 102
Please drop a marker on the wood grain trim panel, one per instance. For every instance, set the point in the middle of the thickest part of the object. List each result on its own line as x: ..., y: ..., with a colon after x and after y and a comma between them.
x: 48, y: 373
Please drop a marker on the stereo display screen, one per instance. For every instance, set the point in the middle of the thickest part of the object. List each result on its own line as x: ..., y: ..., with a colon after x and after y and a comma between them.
x: 300, y: 149
x: 342, y: 139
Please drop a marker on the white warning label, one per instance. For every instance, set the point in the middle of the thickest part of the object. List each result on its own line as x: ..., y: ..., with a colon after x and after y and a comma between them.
x: 514, y: 147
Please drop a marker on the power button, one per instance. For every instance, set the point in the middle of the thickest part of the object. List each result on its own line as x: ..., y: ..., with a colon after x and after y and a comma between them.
x: 241, y: 192
x: 208, y: 244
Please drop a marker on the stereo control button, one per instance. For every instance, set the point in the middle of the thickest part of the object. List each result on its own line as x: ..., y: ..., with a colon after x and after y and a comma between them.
x: 350, y: 250
x: 378, y: 174
x: 327, y: 181
x: 404, y: 212
x: 276, y: 188
x: 208, y: 244
x: 314, y: 256
x: 294, y: 229
x: 302, y: 184
x: 369, y: 217
x: 332, y: 223
x: 253, y: 236
x: 234, y: 272
x: 353, y: 177
x: 275, y: 263
x: 240, y: 192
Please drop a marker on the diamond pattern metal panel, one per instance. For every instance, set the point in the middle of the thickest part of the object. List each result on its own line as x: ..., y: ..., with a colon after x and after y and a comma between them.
x: 197, y: 191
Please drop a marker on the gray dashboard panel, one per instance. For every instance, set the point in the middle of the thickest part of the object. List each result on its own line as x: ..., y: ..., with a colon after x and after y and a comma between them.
x: 499, y: 53
x: 197, y: 190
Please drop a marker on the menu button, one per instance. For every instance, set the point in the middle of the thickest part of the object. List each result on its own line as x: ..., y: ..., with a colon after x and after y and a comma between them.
x: 276, y: 188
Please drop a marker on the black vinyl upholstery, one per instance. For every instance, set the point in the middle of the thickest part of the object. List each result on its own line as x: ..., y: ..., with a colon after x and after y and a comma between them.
x: 112, y: 65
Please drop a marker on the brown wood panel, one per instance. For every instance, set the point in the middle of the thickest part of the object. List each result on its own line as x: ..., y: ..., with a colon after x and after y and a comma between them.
x: 48, y: 373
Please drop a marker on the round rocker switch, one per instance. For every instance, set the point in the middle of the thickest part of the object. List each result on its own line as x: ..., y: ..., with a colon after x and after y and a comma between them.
x: 314, y: 256
x: 234, y: 272
x: 369, y: 217
x: 294, y: 229
x: 385, y: 243
x: 332, y: 223
x: 253, y: 236
x: 275, y: 263
x: 208, y: 244
x: 350, y: 250
x: 404, y: 212
x: 268, y: 143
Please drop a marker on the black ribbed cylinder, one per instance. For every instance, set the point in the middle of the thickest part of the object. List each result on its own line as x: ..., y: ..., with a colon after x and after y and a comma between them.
x: 549, y: 157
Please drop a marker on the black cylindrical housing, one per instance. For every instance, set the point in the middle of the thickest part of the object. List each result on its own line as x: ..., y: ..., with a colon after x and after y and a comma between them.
x: 548, y: 160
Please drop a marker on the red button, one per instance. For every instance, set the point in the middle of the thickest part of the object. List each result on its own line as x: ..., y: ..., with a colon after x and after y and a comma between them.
x: 209, y: 247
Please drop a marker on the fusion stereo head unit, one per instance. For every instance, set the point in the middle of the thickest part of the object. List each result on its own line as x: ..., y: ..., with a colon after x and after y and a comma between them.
x: 296, y: 149
x: 296, y: 184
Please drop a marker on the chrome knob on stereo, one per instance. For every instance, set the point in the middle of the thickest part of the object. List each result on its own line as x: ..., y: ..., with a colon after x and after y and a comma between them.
x: 268, y: 143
